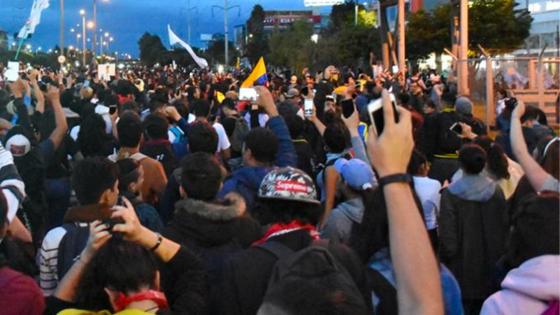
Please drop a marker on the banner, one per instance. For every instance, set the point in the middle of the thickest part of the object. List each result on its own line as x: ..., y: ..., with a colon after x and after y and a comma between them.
x: 34, y: 18
x: 174, y: 39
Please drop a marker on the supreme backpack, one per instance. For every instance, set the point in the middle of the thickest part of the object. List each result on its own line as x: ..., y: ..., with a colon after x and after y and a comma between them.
x: 314, y: 265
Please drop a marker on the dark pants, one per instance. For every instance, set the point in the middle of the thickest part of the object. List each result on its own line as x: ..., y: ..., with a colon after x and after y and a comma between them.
x: 58, y: 193
x: 443, y: 169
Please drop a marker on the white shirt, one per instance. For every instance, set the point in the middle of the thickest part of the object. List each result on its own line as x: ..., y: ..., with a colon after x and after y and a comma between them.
x: 427, y: 190
x: 223, y: 140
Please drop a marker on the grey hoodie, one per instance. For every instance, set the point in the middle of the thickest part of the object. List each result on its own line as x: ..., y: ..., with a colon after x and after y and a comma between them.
x: 339, y: 223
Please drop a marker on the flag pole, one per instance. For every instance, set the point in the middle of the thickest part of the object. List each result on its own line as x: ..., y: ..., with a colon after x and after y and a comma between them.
x: 19, y: 48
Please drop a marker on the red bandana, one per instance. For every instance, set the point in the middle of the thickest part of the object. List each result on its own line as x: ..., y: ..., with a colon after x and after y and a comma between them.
x: 157, y: 297
x: 281, y: 228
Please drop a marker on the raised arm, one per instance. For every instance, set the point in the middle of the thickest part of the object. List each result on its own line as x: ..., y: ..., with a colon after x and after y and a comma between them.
x: 418, y: 284
x: 535, y: 173
x: 40, y: 106
x: 53, y: 94
x: 286, y: 155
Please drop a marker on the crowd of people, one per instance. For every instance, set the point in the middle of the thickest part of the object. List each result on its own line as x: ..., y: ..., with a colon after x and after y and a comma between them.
x: 165, y: 190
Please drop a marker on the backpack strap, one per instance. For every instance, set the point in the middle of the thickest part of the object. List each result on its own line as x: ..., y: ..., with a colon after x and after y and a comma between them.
x: 384, y: 290
x: 277, y: 249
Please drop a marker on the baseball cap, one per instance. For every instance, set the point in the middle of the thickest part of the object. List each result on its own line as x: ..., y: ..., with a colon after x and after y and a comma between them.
x: 288, y: 183
x: 356, y: 173
x: 292, y: 93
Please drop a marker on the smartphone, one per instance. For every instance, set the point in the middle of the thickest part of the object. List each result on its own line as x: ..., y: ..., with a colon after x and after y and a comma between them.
x: 456, y: 128
x: 248, y: 94
x: 395, y: 69
x: 347, y: 107
x: 12, y: 72
x: 375, y: 111
x: 112, y: 109
x: 308, y: 107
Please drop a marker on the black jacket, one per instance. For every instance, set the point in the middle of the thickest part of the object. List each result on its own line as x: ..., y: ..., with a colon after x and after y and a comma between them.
x: 472, y: 239
x: 247, y: 273
x: 214, y: 232
x: 437, y: 138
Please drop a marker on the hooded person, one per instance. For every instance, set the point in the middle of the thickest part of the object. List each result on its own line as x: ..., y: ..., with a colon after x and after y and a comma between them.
x: 358, y: 179
x: 532, y: 286
x: 473, y: 228
x: 464, y: 108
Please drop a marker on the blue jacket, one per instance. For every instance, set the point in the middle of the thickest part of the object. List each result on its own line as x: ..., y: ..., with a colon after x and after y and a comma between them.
x: 246, y: 181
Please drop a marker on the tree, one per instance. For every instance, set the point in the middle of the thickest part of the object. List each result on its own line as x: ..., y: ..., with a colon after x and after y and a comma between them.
x: 151, y: 49
x: 257, y: 45
x: 292, y: 47
x: 216, y: 51
x: 428, y: 32
x: 497, y: 25
x: 342, y: 15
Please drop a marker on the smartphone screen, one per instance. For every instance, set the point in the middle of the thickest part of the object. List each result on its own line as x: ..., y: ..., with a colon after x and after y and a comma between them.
x: 308, y: 107
x: 248, y: 94
x: 375, y: 110
x: 112, y: 109
x: 347, y: 108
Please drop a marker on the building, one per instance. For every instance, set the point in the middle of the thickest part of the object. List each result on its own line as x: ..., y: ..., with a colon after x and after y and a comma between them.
x: 284, y: 19
x: 545, y: 27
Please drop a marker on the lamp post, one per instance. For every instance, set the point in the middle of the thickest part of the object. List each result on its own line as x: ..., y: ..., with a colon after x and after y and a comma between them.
x: 226, y: 9
x: 83, y: 15
x: 62, y: 27
x: 462, y: 67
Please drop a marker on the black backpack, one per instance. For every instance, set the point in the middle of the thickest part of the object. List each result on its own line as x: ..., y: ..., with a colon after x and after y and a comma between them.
x: 70, y: 246
x: 313, y: 264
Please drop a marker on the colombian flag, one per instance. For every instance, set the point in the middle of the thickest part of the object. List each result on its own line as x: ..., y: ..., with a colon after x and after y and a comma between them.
x: 258, y: 75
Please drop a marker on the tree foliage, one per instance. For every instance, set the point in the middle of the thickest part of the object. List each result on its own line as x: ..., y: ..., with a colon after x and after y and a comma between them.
x: 151, y: 49
x: 216, y: 52
x: 495, y: 24
x: 257, y: 45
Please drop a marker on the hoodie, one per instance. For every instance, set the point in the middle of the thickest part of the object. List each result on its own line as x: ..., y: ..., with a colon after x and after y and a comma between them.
x: 527, y: 289
x: 473, y: 188
x: 338, y: 226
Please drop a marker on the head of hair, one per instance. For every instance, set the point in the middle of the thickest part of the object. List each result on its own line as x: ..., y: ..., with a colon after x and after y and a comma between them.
x: 403, y: 98
x: 126, y: 173
x: 416, y: 161
x: 337, y: 137
x: 295, y: 125
x: 472, y: 159
x: 203, y: 138
x: 531, y: 113
x: 300, y: 296
x: 449, y: 97
x: 535, y: 228
x: 130, y: 106
x: 201, y: 176
x: 549, y: 152
x: 118, y: 265
x: 263, y: 144
x: 497, y: 161
x: 201, y: 108
x: 92, y: 176
x: 124, y: 88
x: 130, y: 130
x: 285, y: 211
x: 155, y: 126
x: 92, y: 136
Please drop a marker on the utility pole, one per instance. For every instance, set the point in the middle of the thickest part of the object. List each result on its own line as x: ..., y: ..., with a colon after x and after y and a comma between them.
x: 83, y: 14
x: 94, y: 27
x: 462, y: 67
x: 226, y: 9
x: 189, y: 19
x: 401, y: 40
x: 356, y: 13
x: 62, y: 27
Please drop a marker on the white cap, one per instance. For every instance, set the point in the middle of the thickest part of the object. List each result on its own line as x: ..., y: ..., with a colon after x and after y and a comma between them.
x: 18, y: 145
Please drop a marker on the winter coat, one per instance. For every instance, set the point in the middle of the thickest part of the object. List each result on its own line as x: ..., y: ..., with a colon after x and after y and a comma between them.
x: 473, y: 227
x: 527, y: 289
x: 214, y: 232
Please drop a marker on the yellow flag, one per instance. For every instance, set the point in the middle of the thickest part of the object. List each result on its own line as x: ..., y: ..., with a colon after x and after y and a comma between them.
x: 257, y: 75
x: 220, y: 97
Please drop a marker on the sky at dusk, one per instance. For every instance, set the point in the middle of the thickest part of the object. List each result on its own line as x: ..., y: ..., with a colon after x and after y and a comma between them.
x: 127, y: 20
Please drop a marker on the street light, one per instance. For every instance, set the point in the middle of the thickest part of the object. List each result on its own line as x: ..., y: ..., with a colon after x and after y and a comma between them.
x: 83, y: 36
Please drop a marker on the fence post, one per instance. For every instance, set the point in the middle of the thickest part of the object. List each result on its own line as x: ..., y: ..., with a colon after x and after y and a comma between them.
x: 490, y: 110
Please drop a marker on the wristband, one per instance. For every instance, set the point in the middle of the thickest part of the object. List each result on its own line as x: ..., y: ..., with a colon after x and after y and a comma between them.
x: 395, y: 178
x: 159, y: 240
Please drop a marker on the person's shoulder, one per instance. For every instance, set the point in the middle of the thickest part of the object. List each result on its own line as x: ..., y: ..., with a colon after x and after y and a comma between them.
x: 53, y: 236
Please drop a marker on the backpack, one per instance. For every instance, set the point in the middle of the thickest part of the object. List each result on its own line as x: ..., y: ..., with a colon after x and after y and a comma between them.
x: 314, y: 265
x: 384, y: 291
x: 239, y: 133
x: 70, y: 246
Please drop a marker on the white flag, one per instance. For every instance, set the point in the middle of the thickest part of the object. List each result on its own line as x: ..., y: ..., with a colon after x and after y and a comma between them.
x: 174, y: 39
x: 34, y: 18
